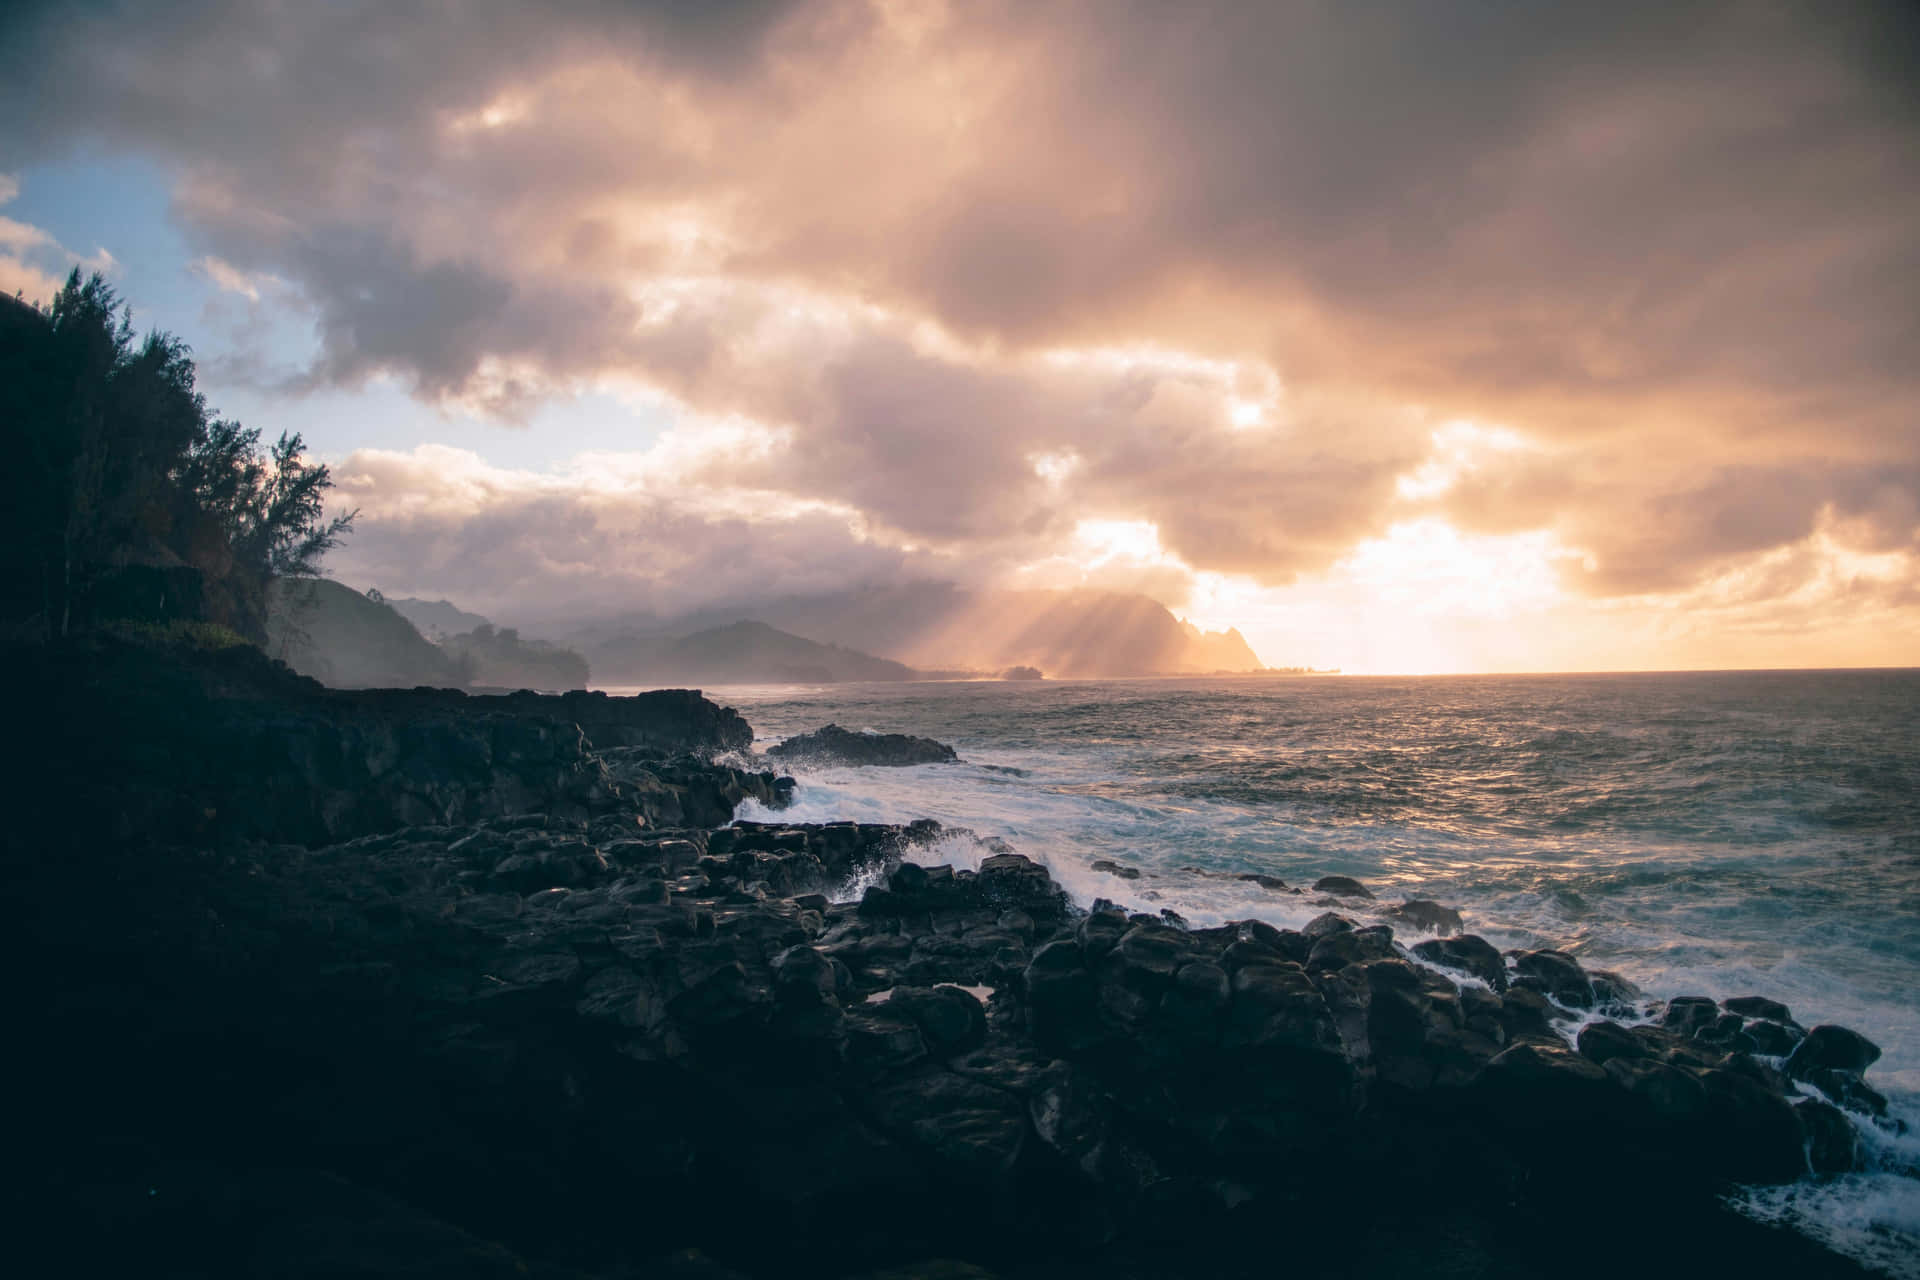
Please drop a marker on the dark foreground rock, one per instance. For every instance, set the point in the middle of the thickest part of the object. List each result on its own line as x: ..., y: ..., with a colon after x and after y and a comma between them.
x: 211, y: 748
x: 834, y: 745
x: 569, y: 1044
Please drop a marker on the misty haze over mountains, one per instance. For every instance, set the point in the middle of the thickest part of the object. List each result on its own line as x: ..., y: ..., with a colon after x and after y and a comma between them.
x: 939, y: 627
x: 925, y: 630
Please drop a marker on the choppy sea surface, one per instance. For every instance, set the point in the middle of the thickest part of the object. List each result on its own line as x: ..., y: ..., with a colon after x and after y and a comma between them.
x: 1703, y: 833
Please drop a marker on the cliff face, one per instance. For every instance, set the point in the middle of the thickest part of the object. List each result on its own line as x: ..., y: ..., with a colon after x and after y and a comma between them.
x: 231, y: 745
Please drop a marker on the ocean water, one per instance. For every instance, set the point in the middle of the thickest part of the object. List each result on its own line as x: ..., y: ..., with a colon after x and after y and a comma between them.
x: 1717, y: 834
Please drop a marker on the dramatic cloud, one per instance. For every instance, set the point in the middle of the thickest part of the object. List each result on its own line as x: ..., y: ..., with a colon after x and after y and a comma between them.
x: 1624, y: 290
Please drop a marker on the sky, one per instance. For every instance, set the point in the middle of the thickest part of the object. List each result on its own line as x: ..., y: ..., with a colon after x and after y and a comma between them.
x: 1406, y: 336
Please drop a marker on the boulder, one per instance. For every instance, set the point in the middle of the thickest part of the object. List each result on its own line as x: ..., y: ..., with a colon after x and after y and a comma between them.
x: 831, y: 744
x: 1663, y: 1095
x: 1775, y: 1039
x: 1535, y: 1086
x: 1428, y: 917
x: 1757, y: 1007
x: 1326, y: 923
x: 1467, y: 953
x: 1846, y: 1089
x: 1196, y: 1001
x: 1353, y: 946
x: 973, y: 1129
x: 1837, y: 1048
x: 1604, y: 1041
x: 1753, y: 1134
x: 950, y: 1020
x: 1686, y: 1015
x: 1833, y: 1143
x: 1555, y: 974
x: 1277, y: 1006
x: 1342, y: 887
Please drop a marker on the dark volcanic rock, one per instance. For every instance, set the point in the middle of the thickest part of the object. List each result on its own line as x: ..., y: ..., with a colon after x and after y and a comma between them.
x: 228, y: 745
x: 569, y: 1043
x: 834, y: 745
x: 1758, y: 1007
x: 1686, y: 1015
x: 1555, y: 974
x: 1605, y: 1041
x: 1341, y: 887
x: 1833, y: 1047
x: 1428, y: 917
x: 1468, y: 953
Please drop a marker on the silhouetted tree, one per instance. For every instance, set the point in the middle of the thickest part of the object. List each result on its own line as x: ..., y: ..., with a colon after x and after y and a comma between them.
x: 110, y: 458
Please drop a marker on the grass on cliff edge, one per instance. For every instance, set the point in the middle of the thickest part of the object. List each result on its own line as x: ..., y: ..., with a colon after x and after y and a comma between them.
x: 201, y: 637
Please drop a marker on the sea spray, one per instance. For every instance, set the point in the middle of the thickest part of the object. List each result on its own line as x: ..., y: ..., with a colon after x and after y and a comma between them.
x: 1711, y: 834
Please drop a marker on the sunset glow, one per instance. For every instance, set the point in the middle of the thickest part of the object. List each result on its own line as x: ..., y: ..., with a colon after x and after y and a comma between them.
x: 1378, y: 369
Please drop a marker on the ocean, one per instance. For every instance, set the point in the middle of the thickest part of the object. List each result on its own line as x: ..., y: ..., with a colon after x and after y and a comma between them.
x: 1715, y: 834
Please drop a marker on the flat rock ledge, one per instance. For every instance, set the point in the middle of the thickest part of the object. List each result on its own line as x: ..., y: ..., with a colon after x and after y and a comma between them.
x: 831, y: 744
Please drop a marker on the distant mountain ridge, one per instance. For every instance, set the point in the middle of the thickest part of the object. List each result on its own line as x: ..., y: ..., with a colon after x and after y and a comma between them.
x: 741, y: 652
x: 342, y: 638
x: 939, y: 626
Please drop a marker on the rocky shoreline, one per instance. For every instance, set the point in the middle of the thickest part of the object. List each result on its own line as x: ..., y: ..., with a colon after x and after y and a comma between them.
x: 408, y: 984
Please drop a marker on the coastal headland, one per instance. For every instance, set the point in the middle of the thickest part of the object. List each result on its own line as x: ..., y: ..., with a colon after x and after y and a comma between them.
x: 412, y: 983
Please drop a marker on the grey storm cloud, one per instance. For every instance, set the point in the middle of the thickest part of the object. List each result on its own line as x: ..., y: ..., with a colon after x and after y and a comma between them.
x: 1672, y: 245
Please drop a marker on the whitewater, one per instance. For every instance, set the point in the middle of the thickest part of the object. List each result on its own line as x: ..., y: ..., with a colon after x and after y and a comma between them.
x: 1714, y: 834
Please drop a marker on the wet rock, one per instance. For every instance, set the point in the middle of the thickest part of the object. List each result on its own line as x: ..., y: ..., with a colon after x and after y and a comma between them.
x: 879, y: 1040
x: 1326, y: 923
x: 1613, y: 994
x: 1469, y: 954
x: 1148, y: 955
x: 1428, y: 917
x: 950, y: 1020
x: 1290, y: 943
x: 1846, y: 1089
x: 1273, y: 884
x: 832, y: 744
x: 1342, y: 887
x: 1828, y: 1046
x: 1753, y: 1134
x: 1277, y: 1006
x: 1662, y: 1094
x: 1196, y: 1001
x: 1526, y: 1013
x: 1555, y: 974
x: 1115, y: 869
x: 1604, y: 1041
x: 1775, y: 1039
x: 1011, y: 880
x: 1758, y: 1007
x: 803, y: 972
x: 1538, y: 1082
x: 1833, y: 1143
x: 1354, y: 946
x: 1686, y: 1015
x: 1061, y: 1011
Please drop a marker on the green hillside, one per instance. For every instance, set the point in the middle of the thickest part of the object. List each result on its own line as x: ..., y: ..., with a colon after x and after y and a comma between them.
x: 342, y: 638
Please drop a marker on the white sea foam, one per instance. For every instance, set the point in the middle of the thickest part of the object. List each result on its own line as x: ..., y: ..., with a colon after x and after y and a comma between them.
x: 1700, y: 835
